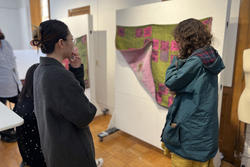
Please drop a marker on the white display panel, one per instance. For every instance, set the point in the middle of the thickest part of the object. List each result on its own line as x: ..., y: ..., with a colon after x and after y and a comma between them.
x: 25, y: 59
x: 229, y: 50
x: 100, y: 50
x: 78, y: 26
x: 136, y: 112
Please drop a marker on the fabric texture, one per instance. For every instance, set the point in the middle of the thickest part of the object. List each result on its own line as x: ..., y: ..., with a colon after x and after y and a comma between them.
x: 28, y: 136
x: 10, y: 84
x: 63, y: 114
x: 194, y: 110
x: 81, y: 44
x: 150, y: 66
x: 178, y: 161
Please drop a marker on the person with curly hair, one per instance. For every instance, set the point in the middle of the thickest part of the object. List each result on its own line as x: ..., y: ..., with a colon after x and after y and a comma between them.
x: 191, y: 129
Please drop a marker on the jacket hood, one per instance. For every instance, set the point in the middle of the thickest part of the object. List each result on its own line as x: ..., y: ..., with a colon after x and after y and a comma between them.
x: 210, y: 58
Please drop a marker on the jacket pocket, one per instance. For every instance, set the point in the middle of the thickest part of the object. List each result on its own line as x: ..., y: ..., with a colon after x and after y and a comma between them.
x: 171, y: 135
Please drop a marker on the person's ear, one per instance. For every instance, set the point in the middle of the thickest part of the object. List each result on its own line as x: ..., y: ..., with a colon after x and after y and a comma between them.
x: 31, y: 42
x: 60, y: 43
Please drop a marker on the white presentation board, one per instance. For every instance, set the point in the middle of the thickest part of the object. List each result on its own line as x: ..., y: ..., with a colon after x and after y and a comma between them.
x: 25, y: 59
x: 136, y: 112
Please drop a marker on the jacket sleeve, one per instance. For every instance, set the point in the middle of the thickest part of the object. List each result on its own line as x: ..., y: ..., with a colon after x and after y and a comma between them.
x: 71, y: 101
x: 79, y: 74
x: 181, y: 72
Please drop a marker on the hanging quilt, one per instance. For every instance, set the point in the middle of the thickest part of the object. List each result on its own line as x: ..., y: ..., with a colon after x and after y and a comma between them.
x: 81, y: 44
x: 149, y: 51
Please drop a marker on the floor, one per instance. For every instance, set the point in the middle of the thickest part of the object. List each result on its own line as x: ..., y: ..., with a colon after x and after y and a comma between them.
x: 117, y: 150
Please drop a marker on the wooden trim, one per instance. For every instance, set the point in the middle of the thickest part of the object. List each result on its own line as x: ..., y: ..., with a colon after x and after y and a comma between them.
x: 232, y: 131
x: 35, y: 12
x: 79, y: 11
x: 226, y: 143
x: 49, y: 9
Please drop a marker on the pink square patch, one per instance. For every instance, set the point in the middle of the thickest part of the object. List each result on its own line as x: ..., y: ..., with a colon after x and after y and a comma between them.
x: 163, y: 89
x: 138, y: 32
x: 174, y: 46
x: 208, y: 23
x: 147, y: 31
x: 121, y: 31
x: 155, y: 44
x: 164, y: 45
x: 158, y: 97
x: 155, y: 55
x: 170, y: 100
x: 164, y: 56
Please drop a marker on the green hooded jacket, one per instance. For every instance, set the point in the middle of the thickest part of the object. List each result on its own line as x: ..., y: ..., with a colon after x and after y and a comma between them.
x: 191, y: 128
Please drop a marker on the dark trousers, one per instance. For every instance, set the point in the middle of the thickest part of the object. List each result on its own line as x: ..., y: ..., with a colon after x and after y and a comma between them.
x: 10, y: 99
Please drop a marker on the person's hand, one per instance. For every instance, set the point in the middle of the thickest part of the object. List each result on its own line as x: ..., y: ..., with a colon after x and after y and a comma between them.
x: 75, y: 60
x: 172, y: 93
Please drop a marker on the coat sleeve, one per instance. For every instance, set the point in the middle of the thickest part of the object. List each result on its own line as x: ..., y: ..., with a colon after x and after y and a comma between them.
x: 79, y: 74
x: 181, y: 73
x: 71, y: 101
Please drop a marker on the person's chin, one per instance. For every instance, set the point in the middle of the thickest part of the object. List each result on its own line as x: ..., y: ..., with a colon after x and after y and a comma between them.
x: 67, y: 57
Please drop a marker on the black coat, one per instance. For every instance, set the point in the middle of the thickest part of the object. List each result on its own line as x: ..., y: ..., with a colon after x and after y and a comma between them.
x: 63, y: 114
x: 27, y: 135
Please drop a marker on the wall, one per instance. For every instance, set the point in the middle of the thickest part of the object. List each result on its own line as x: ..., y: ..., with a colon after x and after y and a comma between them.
x: 15, y: 24
x: 9, y: 4
x: 59, y: 8
x: 26, y: 31
x: 103, y: 12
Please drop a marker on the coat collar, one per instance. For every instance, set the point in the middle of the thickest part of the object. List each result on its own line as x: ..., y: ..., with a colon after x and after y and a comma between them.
x: 50, y: 61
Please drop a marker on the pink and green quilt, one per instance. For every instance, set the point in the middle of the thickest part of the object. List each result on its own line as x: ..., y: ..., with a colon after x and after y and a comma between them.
x: 149, y: 50
x: 81, y: 44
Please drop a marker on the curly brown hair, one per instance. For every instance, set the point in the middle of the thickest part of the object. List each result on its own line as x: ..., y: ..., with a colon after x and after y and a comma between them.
x: 190, y: 35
